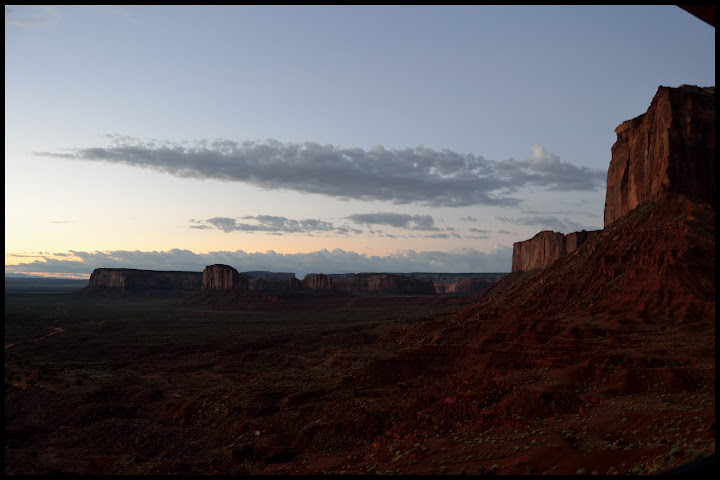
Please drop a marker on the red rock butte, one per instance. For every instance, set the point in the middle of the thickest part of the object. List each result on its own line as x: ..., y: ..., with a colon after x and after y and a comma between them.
x: 224, y: 278
x: 670, y: 148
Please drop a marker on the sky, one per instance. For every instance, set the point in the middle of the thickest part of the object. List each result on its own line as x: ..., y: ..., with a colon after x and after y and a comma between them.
x: 320, y: 139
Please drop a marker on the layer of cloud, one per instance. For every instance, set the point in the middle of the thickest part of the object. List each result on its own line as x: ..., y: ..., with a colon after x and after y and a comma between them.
x: 322, y: 261
x: 398, y: 220
x: 44, y: 16
x: 413, y: 175
x: 274, y: 224
x: 548, y: 222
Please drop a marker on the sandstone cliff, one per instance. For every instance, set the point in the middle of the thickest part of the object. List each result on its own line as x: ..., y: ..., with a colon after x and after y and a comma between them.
x: 317, y: 281
x: 465, y: 287
x: 224, y: 278
x: 670, y: 148
x: 293, y: 284
x: 385, y: 284
x: 546, y: 247
x: 133, y: 282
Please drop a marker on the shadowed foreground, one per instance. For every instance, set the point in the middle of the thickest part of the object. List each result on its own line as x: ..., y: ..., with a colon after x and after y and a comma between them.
x: 603, y: 362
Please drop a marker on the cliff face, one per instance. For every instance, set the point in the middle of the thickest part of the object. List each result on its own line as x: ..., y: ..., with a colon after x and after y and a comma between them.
x: 317, y: 281
x: 546, y: 247
x: 385, y: 284
x: 379, y: 283
x: 128, y: 281
x: 670, y: 148
x: 224, y: 278
x: 464, y: 287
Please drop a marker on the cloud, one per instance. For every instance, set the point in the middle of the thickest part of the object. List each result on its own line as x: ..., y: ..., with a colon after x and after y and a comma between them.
x: 321, y: 261
x: 398, y: 220
x: 274, y: 225
x: 112, y: 10
x: 46, y: 16
x: 564, y: 225
x: 412, y: 175
x: 557, y: 175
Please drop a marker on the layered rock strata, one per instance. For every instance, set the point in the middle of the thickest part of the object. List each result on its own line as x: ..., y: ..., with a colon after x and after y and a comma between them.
x: 129, y: 282
x: 385, y: 284
x: 546, y: 247
x: 670, y: 148
x: 317, y: 281
x: 224, y: 278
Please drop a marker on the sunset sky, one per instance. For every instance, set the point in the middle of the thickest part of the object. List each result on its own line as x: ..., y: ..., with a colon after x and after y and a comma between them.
x: 320, y: 138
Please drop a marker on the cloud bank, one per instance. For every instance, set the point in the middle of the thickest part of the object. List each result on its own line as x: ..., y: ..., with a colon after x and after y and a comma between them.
x: 413, y: 175
x: 322, y: 261
x: 398, y: 220
x: 273, y: 224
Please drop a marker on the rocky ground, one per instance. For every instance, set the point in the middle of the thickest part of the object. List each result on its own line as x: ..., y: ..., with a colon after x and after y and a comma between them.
x: 602, y: 363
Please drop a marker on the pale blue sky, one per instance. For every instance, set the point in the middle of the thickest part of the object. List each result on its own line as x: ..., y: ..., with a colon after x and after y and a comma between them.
x: 332, y: 139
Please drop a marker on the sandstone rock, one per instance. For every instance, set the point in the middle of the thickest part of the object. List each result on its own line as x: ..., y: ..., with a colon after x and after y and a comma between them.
x: 293, y: 284
x: 465, y: 287
x: 224, y: 278
x: 385, y: 284
x: 317, y: 281
x: 670, y: 148
x: 546, y: 247
x: 133, y: 282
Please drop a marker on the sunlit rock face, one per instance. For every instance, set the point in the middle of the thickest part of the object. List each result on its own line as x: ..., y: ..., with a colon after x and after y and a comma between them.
x: 224, y: 278
x: 670, y: 148
x: 546, y: 247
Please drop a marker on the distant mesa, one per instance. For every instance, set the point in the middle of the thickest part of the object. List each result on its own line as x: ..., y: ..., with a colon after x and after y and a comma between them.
x: 223, y: 285
x: 546, y: 247
x: 666, y: 151
x: 123, y: 282
x: 224, y: 278
x: 317, y: 282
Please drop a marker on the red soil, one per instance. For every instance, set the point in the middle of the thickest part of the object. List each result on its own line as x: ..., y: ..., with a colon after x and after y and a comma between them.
x: 603, y: 362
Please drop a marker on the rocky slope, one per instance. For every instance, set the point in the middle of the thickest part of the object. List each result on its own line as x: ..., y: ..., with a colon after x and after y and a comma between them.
x: 602, y: 362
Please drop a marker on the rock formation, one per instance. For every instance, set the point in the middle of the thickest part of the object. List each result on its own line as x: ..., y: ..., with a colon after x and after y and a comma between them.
x: 465, y: 287
x: 546, y: 247
x: 670, y: 148
x: 224, y: 278
x: 133, y: 282
x: 293, y: 284
x: 385, y: 284
x: 317, y: 281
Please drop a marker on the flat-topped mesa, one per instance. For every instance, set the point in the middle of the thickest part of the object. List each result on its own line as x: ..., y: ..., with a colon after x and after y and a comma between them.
x: 130, y: 281
x: 668, y: 149
x: 317, y: 281
x: 385, y: 284
x: 224, y: 278
x: 546, y: 247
